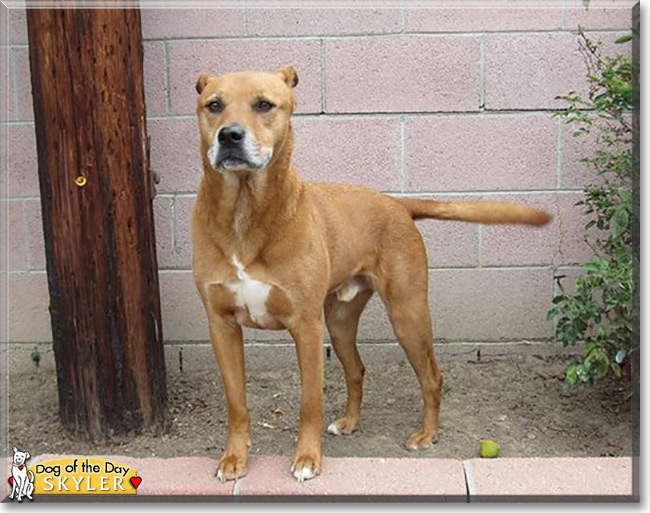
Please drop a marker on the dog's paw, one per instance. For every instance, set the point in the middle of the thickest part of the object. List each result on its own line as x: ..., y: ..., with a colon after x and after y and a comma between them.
x: 231, y: 467
x: 305, y: 467
x: 421, y: 439
x: 343, y: 426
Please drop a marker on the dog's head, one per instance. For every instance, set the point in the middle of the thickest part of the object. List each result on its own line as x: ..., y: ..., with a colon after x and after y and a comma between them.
x: 244, y: 117
x: 20, y: 457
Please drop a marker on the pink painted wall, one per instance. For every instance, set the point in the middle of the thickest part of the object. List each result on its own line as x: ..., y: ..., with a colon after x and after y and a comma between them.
x: 446, y: 103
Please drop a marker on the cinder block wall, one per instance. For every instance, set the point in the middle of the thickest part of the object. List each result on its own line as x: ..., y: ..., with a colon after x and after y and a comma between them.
x: 450, y: 103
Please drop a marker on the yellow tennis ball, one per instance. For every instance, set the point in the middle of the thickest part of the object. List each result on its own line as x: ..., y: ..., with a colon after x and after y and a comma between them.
x: 489, y: 449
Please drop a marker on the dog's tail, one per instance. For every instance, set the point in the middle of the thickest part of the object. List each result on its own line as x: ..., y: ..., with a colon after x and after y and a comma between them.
x: 488, y: 212
x: 31, y: 480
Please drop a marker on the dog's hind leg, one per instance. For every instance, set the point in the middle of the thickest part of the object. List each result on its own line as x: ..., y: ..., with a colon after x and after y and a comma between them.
x: 342, y: 319
x: 404, y: 290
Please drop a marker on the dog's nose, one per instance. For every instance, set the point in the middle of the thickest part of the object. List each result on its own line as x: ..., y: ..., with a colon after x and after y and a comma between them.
x: 230, y: 136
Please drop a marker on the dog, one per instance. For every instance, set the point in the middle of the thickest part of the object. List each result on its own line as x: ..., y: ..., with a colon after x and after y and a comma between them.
x: 273, y: 252
x: 22, y: 485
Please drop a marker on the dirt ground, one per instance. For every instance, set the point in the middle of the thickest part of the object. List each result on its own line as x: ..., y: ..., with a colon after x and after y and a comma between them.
x: 519, y: 401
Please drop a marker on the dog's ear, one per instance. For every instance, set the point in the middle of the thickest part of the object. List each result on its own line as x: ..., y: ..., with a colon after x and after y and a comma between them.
x: 202, y: 82
x: 27, y: 455
x: 15, y: 450
x: 289, y: 75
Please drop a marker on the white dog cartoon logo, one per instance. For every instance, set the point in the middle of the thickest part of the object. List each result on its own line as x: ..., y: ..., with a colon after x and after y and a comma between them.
x: 22, y: 485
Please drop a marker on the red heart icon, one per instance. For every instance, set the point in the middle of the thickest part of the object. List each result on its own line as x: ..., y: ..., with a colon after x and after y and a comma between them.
x: 135, y: 481
x: 11, y: 481
x: 20, y: 468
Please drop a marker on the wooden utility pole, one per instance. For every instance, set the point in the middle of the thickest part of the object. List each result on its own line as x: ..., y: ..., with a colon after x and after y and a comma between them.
x: 96, y: 199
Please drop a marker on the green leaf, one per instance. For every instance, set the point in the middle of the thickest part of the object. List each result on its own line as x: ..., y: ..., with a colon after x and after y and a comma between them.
x: 571, y: 375
x: 624, y: 39
x: 619, y: 222
x: 616, y: 369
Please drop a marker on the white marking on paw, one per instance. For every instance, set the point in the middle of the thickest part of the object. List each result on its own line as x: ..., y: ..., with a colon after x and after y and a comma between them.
x: 303, y: 474
x: 220, y: 476
x: 332, y: 429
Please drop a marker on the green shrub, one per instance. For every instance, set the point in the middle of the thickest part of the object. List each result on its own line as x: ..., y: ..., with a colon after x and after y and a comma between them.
x: 599, y: 311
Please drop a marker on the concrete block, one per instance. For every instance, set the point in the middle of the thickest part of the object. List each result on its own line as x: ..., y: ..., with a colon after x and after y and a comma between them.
x: 460, y: 153
x: 16, y: 247
x: 22, y: 163
x: 362, y: 151
x: 322, y: 22
x: 162, y: 211
x: 175, y: 154
x: 601, y: 14
x: 560, y: 242
x: 549, y: 479
x: 20, y: 88
x: 34, y: 239
x: 192, y: 23
x: 17, y: 26
x: 155, y: 78
x: 183, y: 206
x: 433, y: 478
x: 189, y: 58
x: 369, y: 74
x: 476, y: 18
x: 528, y: 71
x: 491, y: 304
x: 28, y: 318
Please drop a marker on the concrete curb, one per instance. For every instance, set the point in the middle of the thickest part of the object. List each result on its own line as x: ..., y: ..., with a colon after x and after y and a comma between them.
x: 384, y: 479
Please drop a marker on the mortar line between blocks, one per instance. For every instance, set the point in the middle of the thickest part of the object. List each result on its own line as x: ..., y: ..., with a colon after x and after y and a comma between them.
x: 480, y: 246
x: 245, y: 15
x: 322, y: 76
x: 399, y: 194
x: 560, y: 153
x: 14, y: 81
x: 168, y: 96
x: 481, y: 73
x: 172, y: 218
x: 511, y: 192
x: 564, y: 14
x: 25, y: 238
x: 378, y: 35
x: 469, y: 480
x: 402, y: 163
x: 369, y: 115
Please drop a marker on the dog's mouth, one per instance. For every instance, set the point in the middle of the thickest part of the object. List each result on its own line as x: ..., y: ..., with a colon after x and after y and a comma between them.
x: 233, y: 163
x: 240, y: 161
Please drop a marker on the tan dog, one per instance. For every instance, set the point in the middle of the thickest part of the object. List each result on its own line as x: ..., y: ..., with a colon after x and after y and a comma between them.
x: 273, y: 252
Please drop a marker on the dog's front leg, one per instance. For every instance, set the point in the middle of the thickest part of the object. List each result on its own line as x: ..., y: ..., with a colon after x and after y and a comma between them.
x: 228, y: 345
x: 21, y: 490
x: 309, y: 346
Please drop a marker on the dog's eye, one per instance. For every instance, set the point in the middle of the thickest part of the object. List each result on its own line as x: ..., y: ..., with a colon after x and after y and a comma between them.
x: 215, y: 106
x: 263, y: 106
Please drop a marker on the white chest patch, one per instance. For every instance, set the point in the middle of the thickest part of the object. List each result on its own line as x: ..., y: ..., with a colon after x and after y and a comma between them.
x: 250, y: 293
